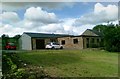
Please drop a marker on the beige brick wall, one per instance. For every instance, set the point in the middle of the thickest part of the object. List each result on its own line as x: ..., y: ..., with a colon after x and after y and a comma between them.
x: 82, y: 44
x: 69, y: 42
x: 46, y: 41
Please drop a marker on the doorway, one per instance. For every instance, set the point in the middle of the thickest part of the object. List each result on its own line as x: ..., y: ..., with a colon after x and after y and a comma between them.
x: 87, y: 42
x: 40, y: 44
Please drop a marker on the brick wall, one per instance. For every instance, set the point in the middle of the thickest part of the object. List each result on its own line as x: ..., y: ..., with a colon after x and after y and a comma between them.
x: 69, y: 42
x: 82, y: 42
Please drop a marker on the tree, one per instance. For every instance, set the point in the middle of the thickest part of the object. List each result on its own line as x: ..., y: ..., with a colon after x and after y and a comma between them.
x: 100, y: 28
x: 16, y: 38
x: 5, y: 40
x: 111, y: 36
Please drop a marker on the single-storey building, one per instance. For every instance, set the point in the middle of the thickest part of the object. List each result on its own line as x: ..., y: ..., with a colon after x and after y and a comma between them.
x: 33, y: 41
x: 88, y: 39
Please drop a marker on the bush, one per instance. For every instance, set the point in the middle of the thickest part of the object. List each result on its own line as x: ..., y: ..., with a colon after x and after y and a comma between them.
x: 112, y: 39
x: 14, y: 69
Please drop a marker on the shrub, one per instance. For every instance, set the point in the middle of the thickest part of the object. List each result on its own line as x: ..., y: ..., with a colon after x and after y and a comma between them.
x: 11, y: 70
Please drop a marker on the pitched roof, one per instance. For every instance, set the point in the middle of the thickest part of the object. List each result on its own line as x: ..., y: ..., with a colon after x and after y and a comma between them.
x: 96, y: 32
x: 90, y: 32
x: 45, y: 35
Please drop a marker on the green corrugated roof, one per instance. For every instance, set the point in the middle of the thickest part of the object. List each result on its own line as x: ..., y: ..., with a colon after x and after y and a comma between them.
x: 45, y: 35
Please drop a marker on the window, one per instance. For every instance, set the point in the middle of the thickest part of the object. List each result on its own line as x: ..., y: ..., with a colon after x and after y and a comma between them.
x: 63, y: 42
x: 54, y: 43
x: 98, y: 40
x: 75, y: 41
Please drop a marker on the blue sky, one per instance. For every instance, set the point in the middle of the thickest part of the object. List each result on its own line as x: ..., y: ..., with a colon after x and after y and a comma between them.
x: 75, y: 11
x: 60, y: 17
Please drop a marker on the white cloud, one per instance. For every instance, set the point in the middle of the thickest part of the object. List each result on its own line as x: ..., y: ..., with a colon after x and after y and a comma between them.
x: 13, y: 6
x: 39, y: 15
x: 60, y: 0
x: 9, y: 17
x: 111, y: 11
x: 101, y: 14
x: 38, y: 20
x: 10, y: 30
x: 52, y: 28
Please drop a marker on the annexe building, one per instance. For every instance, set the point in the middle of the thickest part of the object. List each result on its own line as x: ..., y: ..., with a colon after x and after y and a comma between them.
x: 34, y: 41
x: 88, y: 39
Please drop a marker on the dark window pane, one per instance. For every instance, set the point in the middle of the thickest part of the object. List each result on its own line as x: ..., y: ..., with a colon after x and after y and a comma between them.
x: 98, y: 41
x: 63, y: 42
x: 75, y: 41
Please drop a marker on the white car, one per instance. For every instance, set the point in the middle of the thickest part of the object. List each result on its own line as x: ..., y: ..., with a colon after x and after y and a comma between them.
x: 53, y: 45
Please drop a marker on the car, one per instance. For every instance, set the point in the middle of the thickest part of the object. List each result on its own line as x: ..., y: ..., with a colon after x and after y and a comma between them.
x: 10, y: 46
x: 53, y: 45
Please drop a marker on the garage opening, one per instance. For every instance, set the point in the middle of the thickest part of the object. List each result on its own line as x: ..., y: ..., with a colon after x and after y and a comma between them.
x: 40, y: 44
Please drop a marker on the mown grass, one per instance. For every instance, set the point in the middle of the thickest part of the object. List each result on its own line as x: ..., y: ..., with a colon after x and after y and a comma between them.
x: 74, y: 63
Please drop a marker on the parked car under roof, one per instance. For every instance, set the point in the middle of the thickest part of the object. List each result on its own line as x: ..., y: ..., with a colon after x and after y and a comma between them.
x: 53, y: 45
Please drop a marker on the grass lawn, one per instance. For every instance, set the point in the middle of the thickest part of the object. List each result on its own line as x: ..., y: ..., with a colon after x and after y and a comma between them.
x: 74, y: 63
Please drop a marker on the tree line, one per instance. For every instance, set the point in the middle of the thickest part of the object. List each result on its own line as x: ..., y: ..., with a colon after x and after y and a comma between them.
x: 6, y: 39
x: 111, y: 36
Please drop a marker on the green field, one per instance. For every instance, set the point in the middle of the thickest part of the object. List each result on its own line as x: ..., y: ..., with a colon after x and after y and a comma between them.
x: 74, y: 63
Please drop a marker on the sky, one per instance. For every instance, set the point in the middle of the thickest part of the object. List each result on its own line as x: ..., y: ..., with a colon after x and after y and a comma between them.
x: 55, y: 17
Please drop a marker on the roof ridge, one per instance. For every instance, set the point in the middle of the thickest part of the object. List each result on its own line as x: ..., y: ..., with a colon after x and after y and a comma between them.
x: 31, y: 34
x: 45, y: 33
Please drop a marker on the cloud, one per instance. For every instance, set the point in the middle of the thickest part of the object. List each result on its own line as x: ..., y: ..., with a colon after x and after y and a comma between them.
x: 10, y: 30
x: 111, y: 11
x: 99, y: 15
x: 53, y: 28
x: 39, y: 15
x: 64, y: 27
x: 9, y: 17
x: 14, y: 6
x: 60, y: 0
x: 37, y: 19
